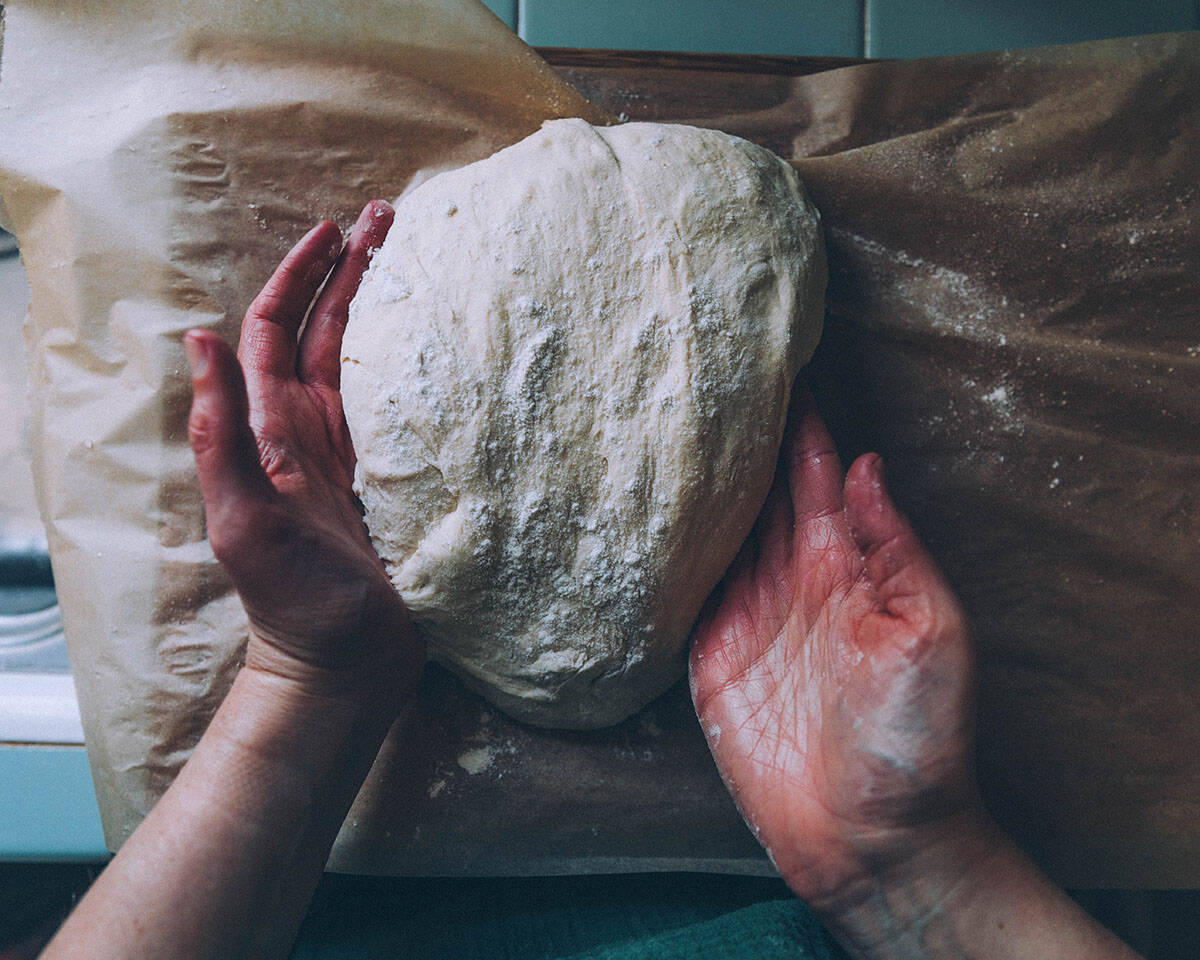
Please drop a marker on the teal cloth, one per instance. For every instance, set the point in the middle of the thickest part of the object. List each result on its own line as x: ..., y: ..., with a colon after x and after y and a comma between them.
x: 764, y: 931
x: 634, y: 917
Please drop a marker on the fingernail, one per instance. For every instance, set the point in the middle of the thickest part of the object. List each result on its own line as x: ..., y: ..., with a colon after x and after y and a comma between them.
x: 877, y: 468
x: 197, y: 355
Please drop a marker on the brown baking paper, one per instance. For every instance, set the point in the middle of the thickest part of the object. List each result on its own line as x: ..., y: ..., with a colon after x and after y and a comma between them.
x: 1014, y: 252
x: 1013, y: 287
x: 1014, y: 247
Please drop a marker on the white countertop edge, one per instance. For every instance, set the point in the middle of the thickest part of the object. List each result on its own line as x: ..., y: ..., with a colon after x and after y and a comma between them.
x: 39, y: 708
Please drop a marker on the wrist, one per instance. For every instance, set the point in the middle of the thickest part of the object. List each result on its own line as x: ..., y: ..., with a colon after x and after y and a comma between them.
x: 938, y: 873
x: 361, y: 649
x: 974, y: 894
x: 287, y: 725
x: 374, y: 672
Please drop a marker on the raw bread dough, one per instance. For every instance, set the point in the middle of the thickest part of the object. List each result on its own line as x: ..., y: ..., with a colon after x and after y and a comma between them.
x: 566, y: 374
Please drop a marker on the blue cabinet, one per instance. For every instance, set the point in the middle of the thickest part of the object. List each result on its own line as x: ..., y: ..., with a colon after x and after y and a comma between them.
x: 48, y: 805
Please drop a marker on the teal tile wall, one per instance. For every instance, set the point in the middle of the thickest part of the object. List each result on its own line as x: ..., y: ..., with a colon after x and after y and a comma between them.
x: 801, y: 27
x: 928, y: 28
x: 506, y: 10
x: 851, y: 28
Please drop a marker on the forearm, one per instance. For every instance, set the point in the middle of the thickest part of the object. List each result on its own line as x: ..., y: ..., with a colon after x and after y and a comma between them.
x: 225, y: 863
x: 973, y: 897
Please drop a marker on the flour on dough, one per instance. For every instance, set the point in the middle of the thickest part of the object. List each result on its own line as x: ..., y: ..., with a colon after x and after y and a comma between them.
x: 566, y: 374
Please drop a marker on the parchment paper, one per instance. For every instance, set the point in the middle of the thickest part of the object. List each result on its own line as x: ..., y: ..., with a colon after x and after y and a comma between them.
x: 1013, y: 249
x: 21, y: 533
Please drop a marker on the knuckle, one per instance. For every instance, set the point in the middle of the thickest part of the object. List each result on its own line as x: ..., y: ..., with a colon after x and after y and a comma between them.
x: 893, y: 551
x: 258, y: 341
x: 224, y: 544
x: 915, y: 644
x: 932, y: 626
x: 227, y: 535
x: 239, y: 530
x: 274, y: 457
x: 205, y: 429
x: 265, y: 308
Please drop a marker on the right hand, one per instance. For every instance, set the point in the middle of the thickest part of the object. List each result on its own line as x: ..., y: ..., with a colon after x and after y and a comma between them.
x: 833, y: 676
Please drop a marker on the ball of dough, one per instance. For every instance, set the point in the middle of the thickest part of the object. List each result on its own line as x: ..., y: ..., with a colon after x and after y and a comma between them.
x: 566, y: 374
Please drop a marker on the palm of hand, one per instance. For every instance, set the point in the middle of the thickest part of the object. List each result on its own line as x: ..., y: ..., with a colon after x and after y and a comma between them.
x: 305, y: 452
x: 276, y: 466
x: 833, y: 678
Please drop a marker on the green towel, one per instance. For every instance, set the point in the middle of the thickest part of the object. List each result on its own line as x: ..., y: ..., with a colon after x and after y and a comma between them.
x: 631, y: 917
x: 765, y: 931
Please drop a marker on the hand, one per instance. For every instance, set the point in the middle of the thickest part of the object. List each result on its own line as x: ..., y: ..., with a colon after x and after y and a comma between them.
x: 276, y: 468
x: 226, y: 862
x: 833, y: 678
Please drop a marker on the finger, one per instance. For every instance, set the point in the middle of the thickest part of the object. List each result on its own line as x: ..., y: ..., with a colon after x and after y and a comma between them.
x: 814, y: 470
x: 321, y: 344
x: 905, y: 577
x: 774, y: 529
x: 231, y: 476
x: 268, y: 344
x: 824, y: 554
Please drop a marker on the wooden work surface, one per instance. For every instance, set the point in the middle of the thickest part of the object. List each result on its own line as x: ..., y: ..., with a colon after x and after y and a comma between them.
x: 1012, y: 324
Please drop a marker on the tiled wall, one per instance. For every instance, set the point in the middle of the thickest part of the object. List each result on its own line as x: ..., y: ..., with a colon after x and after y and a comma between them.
x: 848, y: 28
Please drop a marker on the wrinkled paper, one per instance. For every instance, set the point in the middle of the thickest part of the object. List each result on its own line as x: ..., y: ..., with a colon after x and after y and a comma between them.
x: 1012, y: 323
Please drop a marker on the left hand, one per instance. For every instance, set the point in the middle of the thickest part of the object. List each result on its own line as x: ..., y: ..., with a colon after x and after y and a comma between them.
x: 276, y: 468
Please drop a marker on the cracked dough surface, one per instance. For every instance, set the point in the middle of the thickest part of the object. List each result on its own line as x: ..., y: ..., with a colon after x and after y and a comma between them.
x: 566, y: 374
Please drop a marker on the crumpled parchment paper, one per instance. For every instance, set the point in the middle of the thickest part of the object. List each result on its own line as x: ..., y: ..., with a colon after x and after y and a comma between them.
x: 1013, y: 251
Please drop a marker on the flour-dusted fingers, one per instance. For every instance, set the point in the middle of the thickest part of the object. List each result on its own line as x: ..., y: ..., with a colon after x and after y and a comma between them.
x: 268, y: 344
x: 232, y: 479
x: 321, y: 343
x: 904, y: 575
x: 814, y: 470
x: 822, y: 541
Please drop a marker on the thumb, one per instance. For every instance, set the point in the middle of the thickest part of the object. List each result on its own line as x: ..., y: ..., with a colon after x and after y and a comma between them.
x: 231, y: 476
x: 905, y: 577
